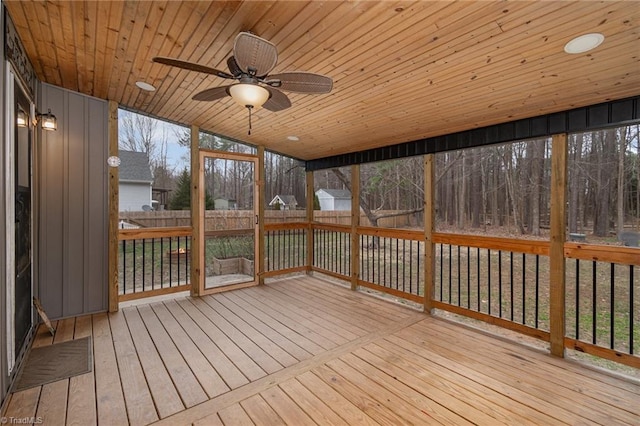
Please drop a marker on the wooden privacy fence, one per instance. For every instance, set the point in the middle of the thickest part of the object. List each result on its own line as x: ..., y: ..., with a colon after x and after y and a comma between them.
x: 236, y: 219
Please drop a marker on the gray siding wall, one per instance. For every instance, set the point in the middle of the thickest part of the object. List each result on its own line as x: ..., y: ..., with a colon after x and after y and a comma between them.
x: 73, y: 199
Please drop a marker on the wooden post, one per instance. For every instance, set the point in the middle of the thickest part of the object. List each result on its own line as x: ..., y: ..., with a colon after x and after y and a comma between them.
x: 355, y: 223
x: 429, y: 225
x: 197, y: 216
x: 558, y: 237
x: 310, y: 202
x: 261, y: 205
x: 114, y: 208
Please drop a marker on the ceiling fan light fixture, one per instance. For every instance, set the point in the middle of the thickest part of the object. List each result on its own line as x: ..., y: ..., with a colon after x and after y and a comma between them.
x: 249, y: 94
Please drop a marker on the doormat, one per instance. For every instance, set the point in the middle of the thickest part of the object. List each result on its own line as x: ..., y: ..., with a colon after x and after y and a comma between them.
x: 59, y: 361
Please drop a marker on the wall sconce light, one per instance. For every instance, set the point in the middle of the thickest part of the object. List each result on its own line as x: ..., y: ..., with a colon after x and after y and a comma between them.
x: 48, y: 121
x: 21, y: 119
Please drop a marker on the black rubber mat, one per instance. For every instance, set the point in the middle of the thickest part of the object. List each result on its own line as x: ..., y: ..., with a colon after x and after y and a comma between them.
x: 59, y: 361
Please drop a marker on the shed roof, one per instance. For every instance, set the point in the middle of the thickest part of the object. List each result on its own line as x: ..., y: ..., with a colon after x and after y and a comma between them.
x: 288, y: 200
x: 336, y: 193
x: 134, y: 167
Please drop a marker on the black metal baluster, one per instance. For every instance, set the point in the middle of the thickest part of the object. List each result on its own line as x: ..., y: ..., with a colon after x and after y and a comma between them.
x: 577, y: 299
x: 384, y: 261
x: 134, y: 265
x: 524, y: 289
x: 170, y: 262
x: 441, y: 274
x: 511, y: 283
x: 404, y: 259
x: 478, y: 280
x: 162, y: 260
x: 124, y: 266
x: 397, y: 262
x: 187, y: 272
x: 594, y: 302
x: 417, y: 268
x: 178, y: 265
x: 410, y: 267
x: 489, y: 279
x: 500, y: 283
x: 468, y: 277
x: 458, y: 273
x: 153, y: 261
x: 612, y: 315
x: 537, y: 308
x: 631, y: 300
x: 450, y: 273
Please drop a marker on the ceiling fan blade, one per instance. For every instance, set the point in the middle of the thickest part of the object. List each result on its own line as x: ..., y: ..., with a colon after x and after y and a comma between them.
x: 191, y: 66
x: 254, y: 55
x: 303, y: 82
x: 233, y: 66
x: 212, y: 94
x: 277, y: 102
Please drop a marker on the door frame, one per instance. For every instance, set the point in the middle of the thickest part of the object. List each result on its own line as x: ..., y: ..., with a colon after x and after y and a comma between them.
x: 224, y: 155
x: 10, y: 156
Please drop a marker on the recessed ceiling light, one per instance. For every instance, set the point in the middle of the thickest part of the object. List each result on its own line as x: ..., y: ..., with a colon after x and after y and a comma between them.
x: 293, y: 138
x: 584, y: 43
x: 145, y: 86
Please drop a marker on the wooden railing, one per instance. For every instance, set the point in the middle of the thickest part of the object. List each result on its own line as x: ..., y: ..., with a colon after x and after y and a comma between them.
x: 285, y: 248
x: 153, y: 261
x: 332, y: 250
x: 392, y: 261
x: 505, y: 282
x: 603, y: 301
x: 500, y: 281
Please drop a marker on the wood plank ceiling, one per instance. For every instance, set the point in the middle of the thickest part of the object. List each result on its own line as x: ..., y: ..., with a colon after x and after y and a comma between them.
x: 402, y: 70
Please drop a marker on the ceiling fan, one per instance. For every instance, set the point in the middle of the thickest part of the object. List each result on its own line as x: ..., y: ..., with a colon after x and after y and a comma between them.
x: 253, y: 58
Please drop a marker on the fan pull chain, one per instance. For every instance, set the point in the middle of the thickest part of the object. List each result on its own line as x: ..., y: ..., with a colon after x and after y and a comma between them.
x: 249, y: 107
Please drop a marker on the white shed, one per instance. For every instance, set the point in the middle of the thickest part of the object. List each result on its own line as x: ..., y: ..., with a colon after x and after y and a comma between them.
x: 334, y: 199
x: 286, y: 202
x: 135, y: 181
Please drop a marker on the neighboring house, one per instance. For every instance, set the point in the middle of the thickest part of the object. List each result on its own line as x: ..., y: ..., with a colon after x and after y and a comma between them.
x: 136, y: 180
x: 286, y: 202
x: 225, y: 204
x: 334, y: 199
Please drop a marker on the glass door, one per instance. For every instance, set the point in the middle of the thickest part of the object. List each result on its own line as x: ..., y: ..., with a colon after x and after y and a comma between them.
x: 228, y: 221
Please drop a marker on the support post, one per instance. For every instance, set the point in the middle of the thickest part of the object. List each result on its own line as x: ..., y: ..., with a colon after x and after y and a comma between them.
x: 310, y: 204
x: 261, y: 205
x: 557, y: 240
x: 114, y: 208
x: 429, y: 226
x: 355, y: 223
x: 197, y: 216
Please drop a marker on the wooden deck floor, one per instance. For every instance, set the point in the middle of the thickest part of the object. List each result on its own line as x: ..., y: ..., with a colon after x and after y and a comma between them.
x: 301, y: 351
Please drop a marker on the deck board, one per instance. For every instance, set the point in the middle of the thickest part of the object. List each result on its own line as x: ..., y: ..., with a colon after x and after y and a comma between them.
x: 81, y: 408
x: 165, y: 394
x: 303, y: 351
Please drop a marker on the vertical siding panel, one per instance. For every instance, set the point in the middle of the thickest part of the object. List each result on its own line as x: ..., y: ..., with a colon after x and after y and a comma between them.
x: 74, y: 218
x: 96, y: 211
x: 51, y: 215
x: 73, y: 197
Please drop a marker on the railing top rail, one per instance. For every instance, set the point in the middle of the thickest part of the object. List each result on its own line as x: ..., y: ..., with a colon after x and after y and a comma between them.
x: 494, y: 243
x: 331, y: 227
x: 285, y: 226
x: 603, y: 253
x: 402, y: 234
x: 143, y: 233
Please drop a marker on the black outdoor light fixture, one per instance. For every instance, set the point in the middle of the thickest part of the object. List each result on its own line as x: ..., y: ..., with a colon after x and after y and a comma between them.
x: 48, y: 121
